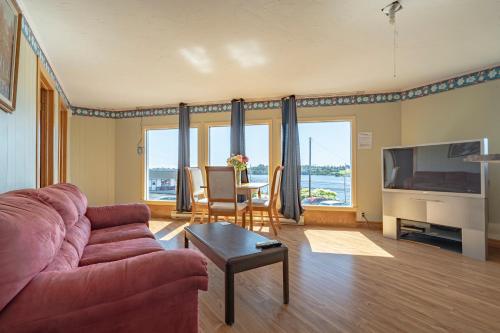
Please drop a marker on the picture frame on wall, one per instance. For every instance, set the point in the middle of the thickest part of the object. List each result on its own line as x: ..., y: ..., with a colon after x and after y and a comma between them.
x: 10, y: 32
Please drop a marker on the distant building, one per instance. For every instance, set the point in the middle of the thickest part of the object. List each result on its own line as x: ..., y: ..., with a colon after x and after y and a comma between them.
x: 162, y: 180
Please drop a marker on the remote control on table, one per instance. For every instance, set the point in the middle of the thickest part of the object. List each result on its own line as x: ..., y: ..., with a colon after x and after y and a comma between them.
x: 268, y: 244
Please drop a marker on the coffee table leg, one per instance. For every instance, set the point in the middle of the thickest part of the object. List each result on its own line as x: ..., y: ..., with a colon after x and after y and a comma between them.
x: 285, y: 278
x: 186, y: 241
x: 229, y: 291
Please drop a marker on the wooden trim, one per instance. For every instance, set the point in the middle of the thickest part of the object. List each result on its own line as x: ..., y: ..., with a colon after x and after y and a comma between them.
x: 45, y: 127
x: 63, y: 142
x: 494, y: 243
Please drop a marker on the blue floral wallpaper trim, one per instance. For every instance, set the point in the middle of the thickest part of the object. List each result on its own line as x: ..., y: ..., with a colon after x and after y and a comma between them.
x: 430, y: 89
x: 35, y: 46
x: 454, y: 83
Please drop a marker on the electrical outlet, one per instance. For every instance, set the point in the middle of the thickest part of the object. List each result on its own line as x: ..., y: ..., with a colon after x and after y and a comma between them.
x: 363, y: 215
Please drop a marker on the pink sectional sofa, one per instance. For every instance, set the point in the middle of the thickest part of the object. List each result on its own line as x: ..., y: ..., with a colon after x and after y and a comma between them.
x: 66, y: 267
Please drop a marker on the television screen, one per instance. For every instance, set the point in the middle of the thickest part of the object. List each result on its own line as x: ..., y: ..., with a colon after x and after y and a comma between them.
x: 439, y: 168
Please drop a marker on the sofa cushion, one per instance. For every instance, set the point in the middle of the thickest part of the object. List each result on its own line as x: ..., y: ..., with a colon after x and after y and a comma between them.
x: 31, y: 234
x: 100, y: 253
x: 79, y: 199
x: 112, y: 216
x: 120, y: 233
x: 71, y: 250
x: 79, y: 234
x: 61, y: 202
x: 114, y: 297
x: 66, y: 259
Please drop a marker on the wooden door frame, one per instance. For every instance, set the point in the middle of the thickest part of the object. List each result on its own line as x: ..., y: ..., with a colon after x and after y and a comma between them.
x: 63, y: 142
x: 45, y: 82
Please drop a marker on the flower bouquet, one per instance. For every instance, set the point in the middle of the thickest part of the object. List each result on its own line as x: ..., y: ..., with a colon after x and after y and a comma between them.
x: 239, y: 162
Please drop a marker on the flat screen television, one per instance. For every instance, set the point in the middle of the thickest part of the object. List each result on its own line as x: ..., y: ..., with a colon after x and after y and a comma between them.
x: 435, y: 168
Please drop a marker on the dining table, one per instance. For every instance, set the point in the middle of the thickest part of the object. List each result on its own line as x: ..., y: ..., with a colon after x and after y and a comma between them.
x: 248, y: 189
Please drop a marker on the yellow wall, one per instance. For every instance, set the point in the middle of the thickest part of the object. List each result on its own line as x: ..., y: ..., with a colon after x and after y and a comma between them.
x: 92, y: 158
x: 381, y: 119
x: 461, y: 114
x: 18, y: 129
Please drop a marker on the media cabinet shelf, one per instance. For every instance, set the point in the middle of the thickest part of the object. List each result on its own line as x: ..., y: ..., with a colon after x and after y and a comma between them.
x: 462, y: 212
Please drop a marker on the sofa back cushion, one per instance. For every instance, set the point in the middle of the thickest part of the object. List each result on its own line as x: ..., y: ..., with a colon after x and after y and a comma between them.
x: 77, y: 237
x: 71, y: 204
x: 31, y: 234
x: 67, y: 200
x: 61, y: 202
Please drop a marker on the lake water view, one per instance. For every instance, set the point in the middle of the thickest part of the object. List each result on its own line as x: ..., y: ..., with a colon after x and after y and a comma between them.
x: 340, y: 185
x: 332, y: 183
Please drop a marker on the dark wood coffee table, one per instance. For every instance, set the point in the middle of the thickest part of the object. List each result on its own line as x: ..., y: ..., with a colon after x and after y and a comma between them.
x: 232, y: 249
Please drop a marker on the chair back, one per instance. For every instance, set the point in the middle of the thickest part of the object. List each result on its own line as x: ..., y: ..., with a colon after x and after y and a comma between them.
x: 221, y: 184
x: 195, y: 181
x: 276, y: 185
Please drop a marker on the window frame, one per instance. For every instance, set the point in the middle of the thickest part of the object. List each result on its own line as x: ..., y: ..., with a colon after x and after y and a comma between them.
x: 268, y: 122
x: 352, y: 120
x: 275, y: 133
x: 144, y: 160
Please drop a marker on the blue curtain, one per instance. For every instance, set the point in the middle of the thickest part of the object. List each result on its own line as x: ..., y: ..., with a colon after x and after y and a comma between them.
x: 238, y: 132
x: 183, y: 202
x: 291, y: 206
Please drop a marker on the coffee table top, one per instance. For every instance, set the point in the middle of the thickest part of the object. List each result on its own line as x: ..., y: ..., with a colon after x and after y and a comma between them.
x: 229, y: 241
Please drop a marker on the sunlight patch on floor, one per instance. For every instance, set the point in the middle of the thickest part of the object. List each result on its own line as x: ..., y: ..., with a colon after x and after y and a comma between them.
x: 157, y: 225
x: 344, y: 242
x: 172, y: 234
x: 261, y: 229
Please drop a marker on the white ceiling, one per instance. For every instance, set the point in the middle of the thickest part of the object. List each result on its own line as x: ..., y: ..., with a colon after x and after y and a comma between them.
x: 120, y: 54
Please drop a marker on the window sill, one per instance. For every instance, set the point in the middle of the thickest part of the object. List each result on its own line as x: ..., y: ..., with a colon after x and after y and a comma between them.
x: 159, y: 202
x: 330, y: 208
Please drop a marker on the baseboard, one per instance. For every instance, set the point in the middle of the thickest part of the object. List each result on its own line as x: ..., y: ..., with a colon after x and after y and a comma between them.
x: 180, y: 215
x: 494, y: 243
x: 187, y: 215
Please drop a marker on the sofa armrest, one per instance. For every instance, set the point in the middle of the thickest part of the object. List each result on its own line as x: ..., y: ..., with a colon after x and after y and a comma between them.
x: 107, y: 293
x: 111, y: 216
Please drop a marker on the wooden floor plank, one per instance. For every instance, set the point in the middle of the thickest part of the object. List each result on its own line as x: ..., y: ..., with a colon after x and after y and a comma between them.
x: 354, y: 280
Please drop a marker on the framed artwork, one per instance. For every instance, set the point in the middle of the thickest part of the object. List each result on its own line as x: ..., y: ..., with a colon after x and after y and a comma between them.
x: 10, y: 32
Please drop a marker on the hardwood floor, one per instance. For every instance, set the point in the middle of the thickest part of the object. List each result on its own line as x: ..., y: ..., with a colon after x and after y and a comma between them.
x: 354, y: 280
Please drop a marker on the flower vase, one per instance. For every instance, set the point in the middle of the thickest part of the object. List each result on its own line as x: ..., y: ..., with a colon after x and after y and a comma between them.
x: 238, y: 177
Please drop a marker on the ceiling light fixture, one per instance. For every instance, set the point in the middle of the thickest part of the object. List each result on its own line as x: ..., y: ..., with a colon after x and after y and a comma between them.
x: 390, y: 10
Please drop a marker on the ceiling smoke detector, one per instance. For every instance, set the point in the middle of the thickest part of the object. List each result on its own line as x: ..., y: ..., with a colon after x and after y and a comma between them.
x: 391, y: 9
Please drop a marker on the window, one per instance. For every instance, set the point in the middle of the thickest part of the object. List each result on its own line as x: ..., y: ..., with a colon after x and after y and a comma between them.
x: 162, y: 162
x: 325, y: 156
x: 257, y: 150
x: 219, y: 145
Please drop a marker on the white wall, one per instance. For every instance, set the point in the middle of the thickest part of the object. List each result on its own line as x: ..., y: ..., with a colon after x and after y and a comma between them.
x: 18, y: 129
